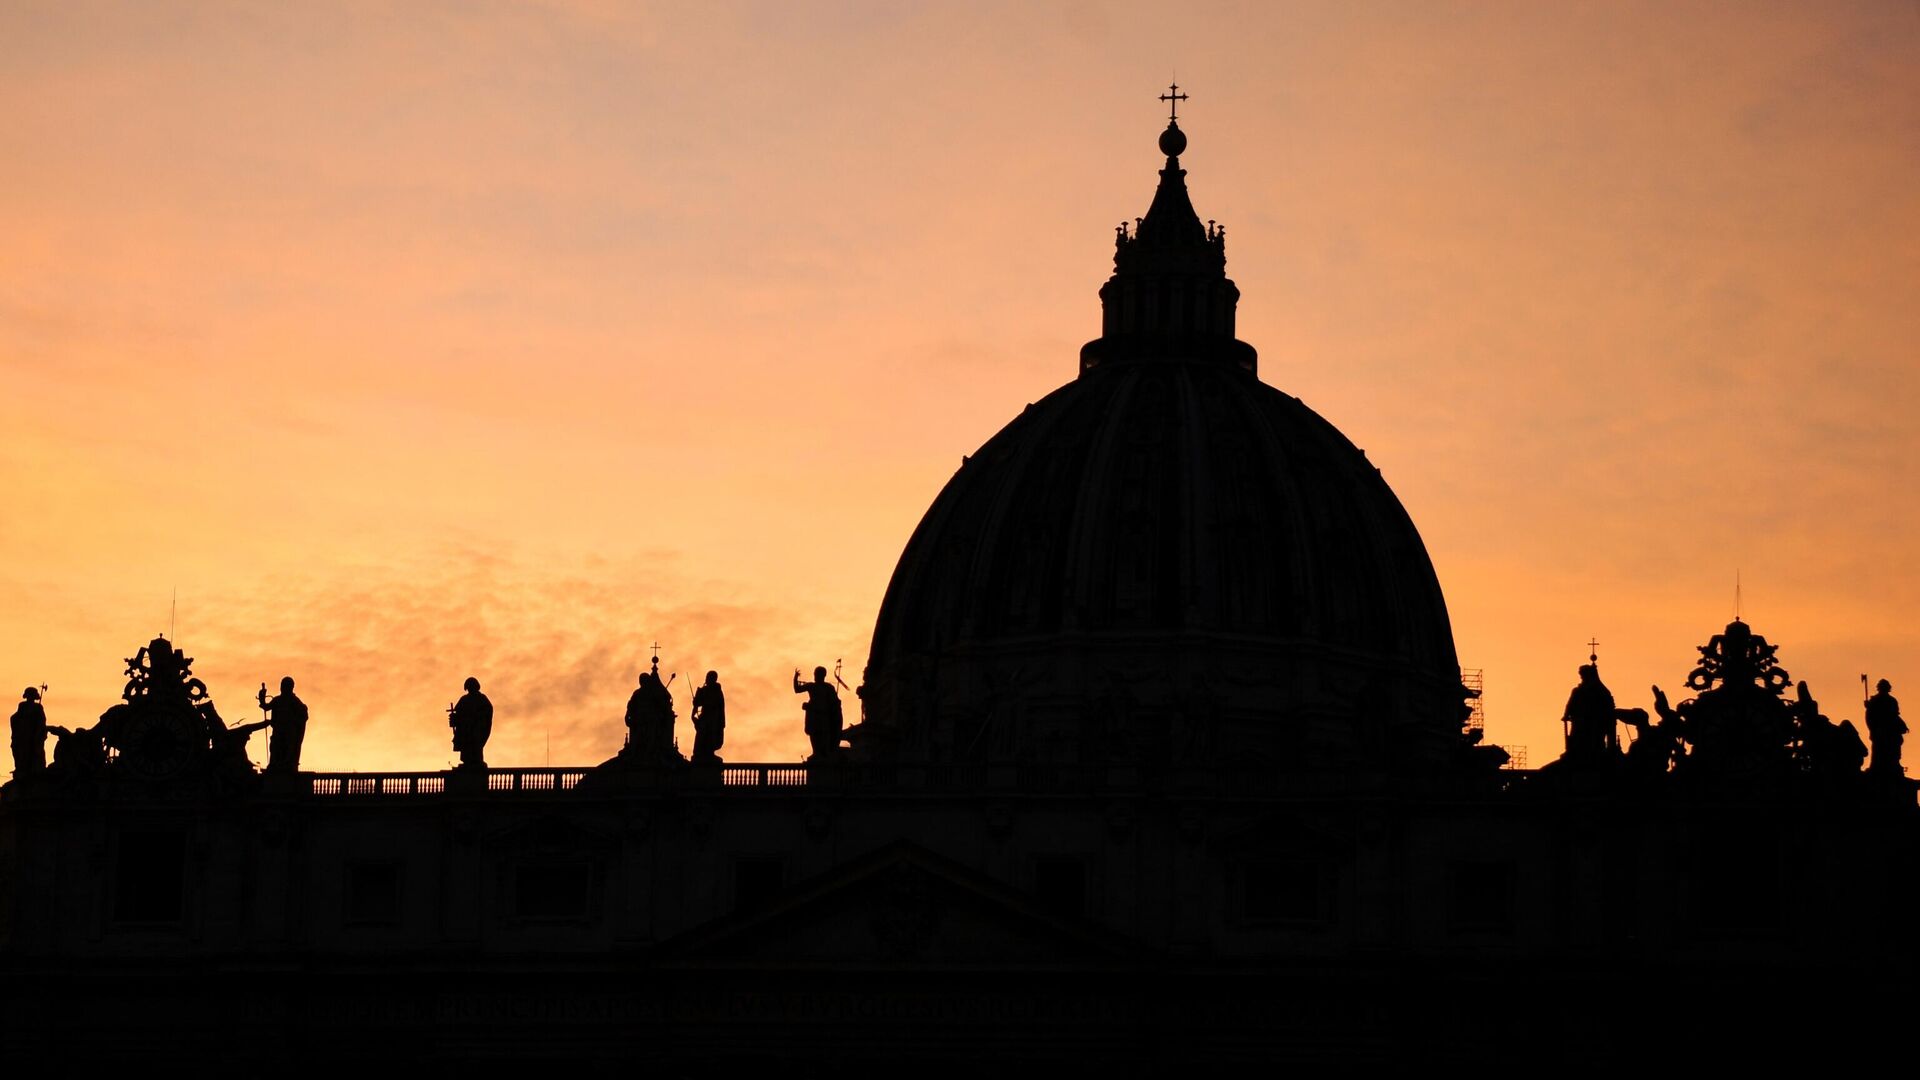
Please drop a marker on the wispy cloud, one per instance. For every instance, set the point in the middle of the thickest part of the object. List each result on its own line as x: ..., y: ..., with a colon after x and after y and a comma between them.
x: 379, y: 651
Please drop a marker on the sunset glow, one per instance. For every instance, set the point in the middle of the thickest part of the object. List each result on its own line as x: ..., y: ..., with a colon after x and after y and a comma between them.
x: 405, y: 342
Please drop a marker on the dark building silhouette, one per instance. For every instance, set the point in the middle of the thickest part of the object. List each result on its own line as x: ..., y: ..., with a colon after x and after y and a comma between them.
x: 1162, y: 762
x: 1166, y: 559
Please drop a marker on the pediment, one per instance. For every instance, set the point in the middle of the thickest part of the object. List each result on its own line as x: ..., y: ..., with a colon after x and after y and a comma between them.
x: 905, y: 906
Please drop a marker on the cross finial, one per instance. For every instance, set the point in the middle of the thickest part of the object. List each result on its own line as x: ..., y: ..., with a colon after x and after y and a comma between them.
x: 1593, y: 650
x: 1173, y: 97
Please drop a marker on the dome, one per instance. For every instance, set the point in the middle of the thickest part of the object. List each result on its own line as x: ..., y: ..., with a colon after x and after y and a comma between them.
x: 1165, y: 560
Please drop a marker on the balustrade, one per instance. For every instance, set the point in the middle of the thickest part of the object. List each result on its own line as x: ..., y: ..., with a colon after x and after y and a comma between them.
x: 944, y: 777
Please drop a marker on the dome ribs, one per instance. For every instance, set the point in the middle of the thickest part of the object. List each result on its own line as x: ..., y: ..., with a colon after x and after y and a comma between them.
x: 1026, y: 551
x: 1083, y: 565
x: 1194, y: 593
x: 1274, y: 473
x: 1187, y: 525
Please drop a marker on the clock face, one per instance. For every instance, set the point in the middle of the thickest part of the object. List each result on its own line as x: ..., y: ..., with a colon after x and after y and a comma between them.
x: 161, y: 741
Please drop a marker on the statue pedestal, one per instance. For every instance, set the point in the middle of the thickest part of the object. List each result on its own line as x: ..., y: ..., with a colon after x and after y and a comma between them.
x: 286, y: 784
x: 466, y: 781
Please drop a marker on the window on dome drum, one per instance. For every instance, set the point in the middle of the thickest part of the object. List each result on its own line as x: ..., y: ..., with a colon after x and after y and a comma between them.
x: 370, y: 893
x: 554, y: 890
x: 1480, y: 896
x: 1060, y: 883
x: 1285, y: 891
x: 756, y: 879
x: 149, y: 877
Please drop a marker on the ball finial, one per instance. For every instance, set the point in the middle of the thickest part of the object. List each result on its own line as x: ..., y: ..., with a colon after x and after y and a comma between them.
x: 1173, y: 140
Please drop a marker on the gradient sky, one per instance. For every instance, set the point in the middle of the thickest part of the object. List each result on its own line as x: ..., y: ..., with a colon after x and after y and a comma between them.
x: 415, y: 341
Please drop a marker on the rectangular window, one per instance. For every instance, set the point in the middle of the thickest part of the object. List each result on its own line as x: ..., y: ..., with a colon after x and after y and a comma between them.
x: 371, y: 894
x: 553, y: 890
x: 150, y: 876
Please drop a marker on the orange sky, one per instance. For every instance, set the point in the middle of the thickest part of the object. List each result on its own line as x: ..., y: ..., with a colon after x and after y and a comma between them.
x: 416, y: 341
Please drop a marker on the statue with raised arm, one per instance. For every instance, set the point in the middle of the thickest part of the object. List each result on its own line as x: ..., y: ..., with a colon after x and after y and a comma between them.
x: 1653, y: 747
x: 230, y: 749
x: 77, y: 752
x: 822, y: 709
x: 1828, y: 751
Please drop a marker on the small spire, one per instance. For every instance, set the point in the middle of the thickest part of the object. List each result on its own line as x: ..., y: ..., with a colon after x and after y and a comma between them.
x: 1169, y: 297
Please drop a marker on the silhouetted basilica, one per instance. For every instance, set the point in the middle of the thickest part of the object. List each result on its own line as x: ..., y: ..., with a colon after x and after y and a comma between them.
x: 1161, y: 757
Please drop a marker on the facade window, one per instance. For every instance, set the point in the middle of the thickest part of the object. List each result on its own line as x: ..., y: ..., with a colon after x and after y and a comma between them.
x: 553, y: 890
x: 371, y: 894
x: 756, y: 879
x: 150, y: 876
x: 1480, y: 896
x: 1286, y: 891
x: 1060, y: 884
